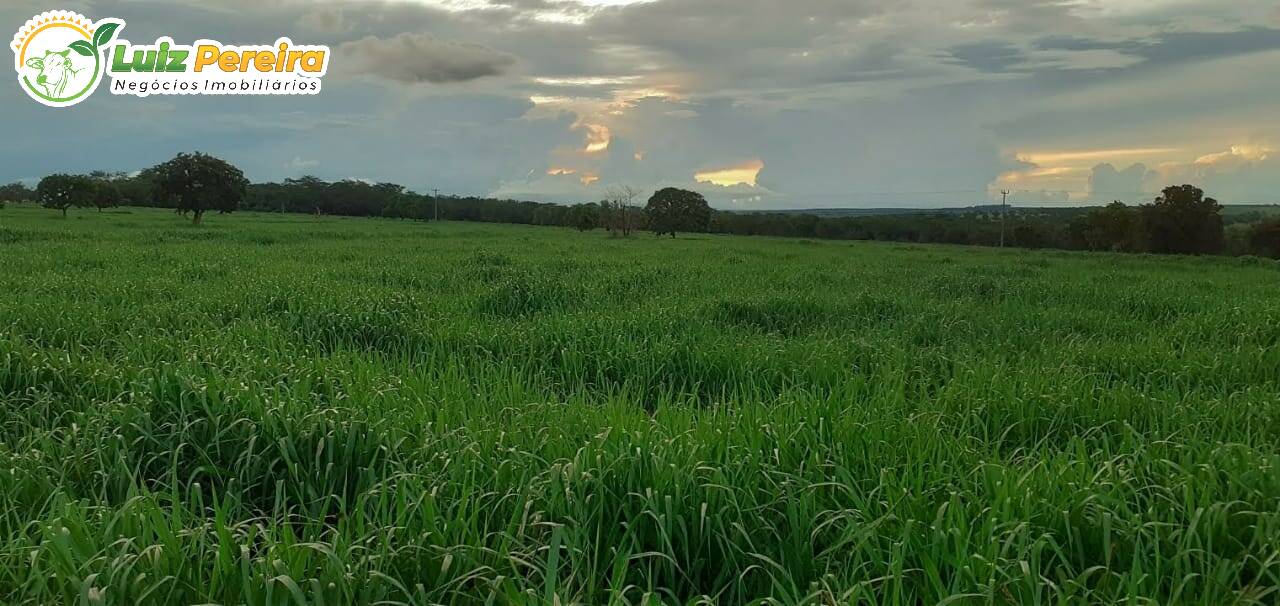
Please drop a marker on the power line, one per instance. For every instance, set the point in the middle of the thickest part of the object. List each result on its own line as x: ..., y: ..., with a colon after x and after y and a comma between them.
x: 1004, y: 212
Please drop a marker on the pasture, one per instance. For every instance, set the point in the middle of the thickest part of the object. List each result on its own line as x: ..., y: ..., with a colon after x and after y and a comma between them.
x: 284, y: 409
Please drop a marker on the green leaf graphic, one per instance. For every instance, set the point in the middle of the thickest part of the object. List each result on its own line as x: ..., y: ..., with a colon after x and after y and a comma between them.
x: 105, y: 33
x: 82, y: 47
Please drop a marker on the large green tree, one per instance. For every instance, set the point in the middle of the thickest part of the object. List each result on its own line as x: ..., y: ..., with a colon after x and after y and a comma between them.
x: 106, y: 194
x: 61, y: 192
x: 1113, y: 227
x: 198, y: 182
x: 106, y: 191
x: 1183, y: 221
x: 584, y: 217
x: 671, y: 210
x: 1264, y: 238
x: 311, y: 192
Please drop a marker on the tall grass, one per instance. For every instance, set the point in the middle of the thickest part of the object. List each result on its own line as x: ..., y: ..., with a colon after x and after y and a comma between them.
x: 290, y: 410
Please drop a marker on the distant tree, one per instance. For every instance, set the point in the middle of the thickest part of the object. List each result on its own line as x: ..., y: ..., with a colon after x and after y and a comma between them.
x: 1183, y: 221
x: 549, y: 214
x: 16, y: 192
x: 309, y: 193
x: 618, y: 209
x: 406, y: 204
x: 584, y: 217
x: 1030, y: 235
x: 198, y: 182
x: 401, y: 204
x: 396, y: 209
x: 671, y: 210
x: 1264, y: 238
x: 61, y: 192
x: 106, y: 193
x: 1114, y: 227
x: 139, y: 188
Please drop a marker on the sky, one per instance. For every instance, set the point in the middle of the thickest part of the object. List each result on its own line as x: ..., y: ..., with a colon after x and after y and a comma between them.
x: 757, y: 104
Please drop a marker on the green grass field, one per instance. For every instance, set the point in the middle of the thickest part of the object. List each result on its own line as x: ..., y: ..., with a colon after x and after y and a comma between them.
x: 279, y: 409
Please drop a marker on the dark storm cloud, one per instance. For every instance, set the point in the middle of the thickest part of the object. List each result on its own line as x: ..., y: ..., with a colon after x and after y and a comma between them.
x: 989, y: 56
x: 1181, y: 47
x: 415, y: 58
x: 1176, y: 48
x: 1073, y: 43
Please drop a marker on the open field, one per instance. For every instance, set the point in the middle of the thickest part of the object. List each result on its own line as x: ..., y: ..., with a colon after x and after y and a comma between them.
x: 280, y: 409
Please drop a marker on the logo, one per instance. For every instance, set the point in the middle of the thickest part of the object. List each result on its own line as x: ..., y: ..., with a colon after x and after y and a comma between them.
x: 61, y: 58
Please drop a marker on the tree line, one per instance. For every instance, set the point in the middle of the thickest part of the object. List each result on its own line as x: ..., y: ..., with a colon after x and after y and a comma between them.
x: 1180, y: 220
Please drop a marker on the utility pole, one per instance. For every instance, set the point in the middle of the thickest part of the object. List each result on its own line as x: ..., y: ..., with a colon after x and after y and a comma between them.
x: 435, y: 197
x: 1004, y: 212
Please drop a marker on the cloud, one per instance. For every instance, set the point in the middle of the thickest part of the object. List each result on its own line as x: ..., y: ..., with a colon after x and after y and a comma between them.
x: 598, y: 138
x: 1048, y: 55
x: 992, y: 56
x: 1239, y: 156
x: 743, y: 173
x: 297, y: 164
x: 1174, y: 47
x: 416, y: 58
x: 1106, y: 183
x: 325, y: 21
x: 1181, y: 47
x: 1245, y: 173
x: 847, y: 102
